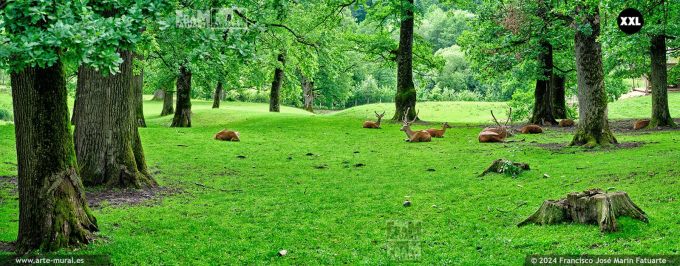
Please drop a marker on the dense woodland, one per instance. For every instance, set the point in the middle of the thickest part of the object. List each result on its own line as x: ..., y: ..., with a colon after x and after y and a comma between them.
x: 551, y: 60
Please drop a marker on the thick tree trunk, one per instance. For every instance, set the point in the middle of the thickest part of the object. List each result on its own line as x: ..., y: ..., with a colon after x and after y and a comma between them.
x: 138, y: 88
x: 168, y: 101
x: 275, y: 93
x: 558, y: 95
x: 183, y: 110
x: 543, y: 109
x: 106, y: 131
x: 158, y: 95
x: 218, y: 95
x: 661, y: 116
x: 307, y: 93
x: 593, y: 127
x: 53, y: 212
x: 405, y: 99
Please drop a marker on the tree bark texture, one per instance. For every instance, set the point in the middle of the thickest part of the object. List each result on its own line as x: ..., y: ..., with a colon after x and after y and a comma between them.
x: 106, y: 131
x: 307, y: 93
x: 218, y: 95
x: 275, y: 93
x: 138, y: 88
x: 53, y: 212
x: 405, y: 99
x: 558, y: 95
x: 543, y: 108
x: 661, y: 116
x: 183, y: 110
x: 593, y: 127
x: 168, y: 101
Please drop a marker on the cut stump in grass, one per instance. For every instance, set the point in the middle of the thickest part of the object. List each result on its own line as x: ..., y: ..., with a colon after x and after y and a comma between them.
x: 589, y: 207
x: 503, y: 166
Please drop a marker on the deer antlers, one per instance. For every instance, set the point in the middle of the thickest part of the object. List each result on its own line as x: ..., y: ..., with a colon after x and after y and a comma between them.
x: 405, y: 119
x: 379, y: 115
x: 506, y: 121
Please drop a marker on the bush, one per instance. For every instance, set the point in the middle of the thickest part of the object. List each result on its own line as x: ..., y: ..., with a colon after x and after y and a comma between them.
x: 522, y: 104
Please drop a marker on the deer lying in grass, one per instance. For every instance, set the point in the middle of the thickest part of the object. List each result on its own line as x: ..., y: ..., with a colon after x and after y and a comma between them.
x: 531, y: 129
x: 640, y: 124
x: 438, y: 133
x: 227, y: 135
x: 371, y: 124
x: 567, y: 123
x: 414, y: 136
x: 496, y: 134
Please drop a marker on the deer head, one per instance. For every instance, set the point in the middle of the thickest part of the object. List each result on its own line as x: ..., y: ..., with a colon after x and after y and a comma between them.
x: 379, y: 116
x: 414, y: 136
x: 502, y: 129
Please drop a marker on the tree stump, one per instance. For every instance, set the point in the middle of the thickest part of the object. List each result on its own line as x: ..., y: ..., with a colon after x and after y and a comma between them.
x: 589, y: 207
x: 503, y: 166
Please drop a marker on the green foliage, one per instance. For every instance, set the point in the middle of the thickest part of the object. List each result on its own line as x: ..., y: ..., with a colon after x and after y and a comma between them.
x: 5, y: 115
x: 522, y: 104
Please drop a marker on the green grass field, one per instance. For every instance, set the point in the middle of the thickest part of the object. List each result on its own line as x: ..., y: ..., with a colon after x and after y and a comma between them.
x: 325, y: 208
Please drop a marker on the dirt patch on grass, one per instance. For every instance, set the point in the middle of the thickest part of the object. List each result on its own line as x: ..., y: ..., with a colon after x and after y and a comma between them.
x: 618, y: 126
x: 557, y: 147
x: 100, y: 198
x: 9, y: 182
x: 6, y: 246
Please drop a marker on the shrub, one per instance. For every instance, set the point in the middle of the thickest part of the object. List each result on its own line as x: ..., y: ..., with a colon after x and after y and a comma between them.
x: 5, y: 115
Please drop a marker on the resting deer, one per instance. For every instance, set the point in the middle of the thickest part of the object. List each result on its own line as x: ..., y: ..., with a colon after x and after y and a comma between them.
x: 531, y: 129
x: 640, y: 124
x: 567, y: 123
x: 227, y: 135
x: 371, y: 124
x: 414, y: 136
x: 496, y: 134
x: 438, y: 133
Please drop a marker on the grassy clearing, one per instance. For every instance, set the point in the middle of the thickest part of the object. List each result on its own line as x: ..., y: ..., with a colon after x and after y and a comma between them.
x: 323, y: 209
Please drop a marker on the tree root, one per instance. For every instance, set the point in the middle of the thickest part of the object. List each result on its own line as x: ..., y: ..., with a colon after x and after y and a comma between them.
x: 589, y: 207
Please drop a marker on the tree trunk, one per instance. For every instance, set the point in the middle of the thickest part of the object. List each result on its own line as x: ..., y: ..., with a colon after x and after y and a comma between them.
x: 218, y: 95
x: 307, y: 93
x: 168, y: 101
x: 138, y: 89
x: 405, y: 98
x: 275, y: 93
x: 543, y: 111
x: 593, y: 127
x: 661, y: 116
x: 558, y: 96
x: 106, y: 131
x: 158, y: 95
x: 183, y: 110
x: 53, y: 212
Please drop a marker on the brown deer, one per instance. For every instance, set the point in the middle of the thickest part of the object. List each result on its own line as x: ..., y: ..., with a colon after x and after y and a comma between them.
x: 531, y: 129
x: 228, y: 135
x: 414, y: 136
x: 567, y: 123
x: 438, y: 133
x: 496, y: 134
x: 640, y: 124
x: 371, y: 124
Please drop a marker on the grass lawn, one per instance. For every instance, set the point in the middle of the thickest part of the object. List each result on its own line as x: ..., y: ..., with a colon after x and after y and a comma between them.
x: 299, y: 185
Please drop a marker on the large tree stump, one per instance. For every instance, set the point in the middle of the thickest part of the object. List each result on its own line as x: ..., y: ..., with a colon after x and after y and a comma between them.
x: 589, y: 207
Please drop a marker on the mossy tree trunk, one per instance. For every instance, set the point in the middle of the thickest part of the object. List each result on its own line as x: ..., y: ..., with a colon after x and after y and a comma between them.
x: 558, y: 95
x: 661, y: 115
x: 275, y: 92
x: 218, y: 95
x: 543, y: 111
x: 593, y: 127
x: 106, y: 131
x: 168, y: 101
x: 405, y: 99
x: 183, y: 110
x: 138, y: 88
x: 53, y: 212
